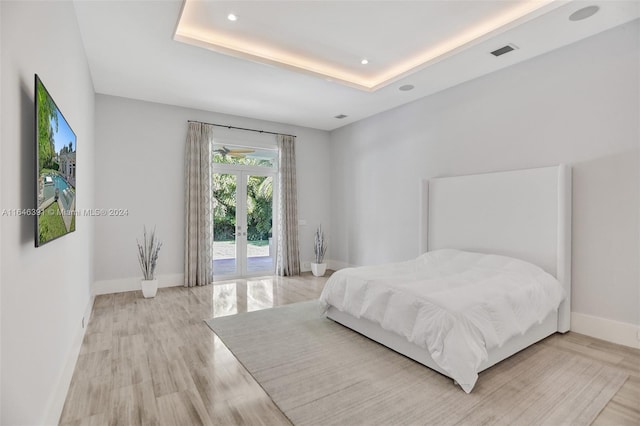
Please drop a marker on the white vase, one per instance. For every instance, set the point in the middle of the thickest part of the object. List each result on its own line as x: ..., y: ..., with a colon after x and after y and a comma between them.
x: 318, y: 269
x: 149, y: 288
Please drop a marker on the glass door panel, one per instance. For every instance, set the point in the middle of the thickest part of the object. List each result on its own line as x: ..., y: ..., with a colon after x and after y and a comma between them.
x: 243, y: 228
x: 260, y: 253
x: 225, y: 247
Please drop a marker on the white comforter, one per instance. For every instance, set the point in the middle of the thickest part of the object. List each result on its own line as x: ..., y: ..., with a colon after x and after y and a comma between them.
x: 455, y: 304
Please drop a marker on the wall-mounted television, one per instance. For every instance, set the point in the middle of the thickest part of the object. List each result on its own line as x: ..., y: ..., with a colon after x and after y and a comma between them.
x: 56, y: 169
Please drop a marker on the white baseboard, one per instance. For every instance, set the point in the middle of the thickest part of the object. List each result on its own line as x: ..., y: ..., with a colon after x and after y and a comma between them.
x: 336, y: 265
x: 133, y: 283
x: 56, y: 403
x: 612, y: 331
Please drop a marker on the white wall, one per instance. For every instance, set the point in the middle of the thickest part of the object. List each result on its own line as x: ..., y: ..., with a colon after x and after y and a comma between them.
x: 45, y: 290
x: 1, y: 127
x: 140, y: 167
x: 576, y: 105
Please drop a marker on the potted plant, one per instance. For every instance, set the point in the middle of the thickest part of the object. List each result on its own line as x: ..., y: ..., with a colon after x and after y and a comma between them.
x: 319, y: 267
x: 148, y: 257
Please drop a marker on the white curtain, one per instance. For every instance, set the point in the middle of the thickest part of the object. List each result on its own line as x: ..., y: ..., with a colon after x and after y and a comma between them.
x: 288, y: 259
x: 198, y: 241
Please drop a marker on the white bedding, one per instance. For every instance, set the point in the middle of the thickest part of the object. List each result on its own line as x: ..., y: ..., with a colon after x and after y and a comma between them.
x: 455, y: 304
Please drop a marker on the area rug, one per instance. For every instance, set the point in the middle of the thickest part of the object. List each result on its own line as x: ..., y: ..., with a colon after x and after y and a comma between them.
x: 321, y: 373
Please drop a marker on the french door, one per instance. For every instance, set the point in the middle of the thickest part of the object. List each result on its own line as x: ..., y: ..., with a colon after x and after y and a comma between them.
x: 244, y: 221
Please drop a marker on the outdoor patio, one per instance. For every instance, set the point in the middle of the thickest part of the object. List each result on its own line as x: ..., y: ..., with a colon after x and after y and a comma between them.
x: 224, y: 255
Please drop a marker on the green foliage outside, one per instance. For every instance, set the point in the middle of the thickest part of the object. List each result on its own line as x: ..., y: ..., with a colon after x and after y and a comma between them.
x: 228, y: 159
x: 51, y: 223
x: 259, y: 202
x: 47, y: 118
x: 259, y: 207
x: 224, y: 207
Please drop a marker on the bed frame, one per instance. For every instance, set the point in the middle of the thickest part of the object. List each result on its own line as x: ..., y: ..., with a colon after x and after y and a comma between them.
x: 523, y: 213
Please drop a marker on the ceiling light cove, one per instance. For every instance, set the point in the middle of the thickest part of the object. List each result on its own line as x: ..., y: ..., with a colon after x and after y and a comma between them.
x: 414, y: 37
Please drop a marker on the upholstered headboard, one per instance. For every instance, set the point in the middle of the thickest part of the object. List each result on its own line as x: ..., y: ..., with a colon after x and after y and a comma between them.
x: 523, y: 213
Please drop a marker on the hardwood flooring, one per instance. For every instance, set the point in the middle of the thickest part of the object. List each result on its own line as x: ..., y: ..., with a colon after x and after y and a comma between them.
x: 154, y: 361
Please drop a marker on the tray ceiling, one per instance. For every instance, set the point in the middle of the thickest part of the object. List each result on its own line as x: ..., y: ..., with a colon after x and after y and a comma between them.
x: 333, y: 38
x: 299, y: 62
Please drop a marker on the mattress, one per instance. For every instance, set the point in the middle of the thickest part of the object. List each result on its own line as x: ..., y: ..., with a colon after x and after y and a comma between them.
x: 457, y: 305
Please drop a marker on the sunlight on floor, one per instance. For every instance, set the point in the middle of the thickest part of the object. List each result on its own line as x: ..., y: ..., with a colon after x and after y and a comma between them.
x: 249, y: 295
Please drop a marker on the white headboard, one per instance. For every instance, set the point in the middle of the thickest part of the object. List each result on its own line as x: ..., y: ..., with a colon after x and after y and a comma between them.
x: 523, y: 213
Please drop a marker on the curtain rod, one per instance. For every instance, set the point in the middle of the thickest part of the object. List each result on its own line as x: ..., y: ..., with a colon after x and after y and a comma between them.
x: 240, y: 128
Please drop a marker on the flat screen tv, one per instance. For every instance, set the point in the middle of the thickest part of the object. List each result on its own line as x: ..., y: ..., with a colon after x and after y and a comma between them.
x: 56, y: 169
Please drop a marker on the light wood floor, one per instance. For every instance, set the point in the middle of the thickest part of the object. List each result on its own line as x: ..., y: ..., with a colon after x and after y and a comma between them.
x: 154, y: 361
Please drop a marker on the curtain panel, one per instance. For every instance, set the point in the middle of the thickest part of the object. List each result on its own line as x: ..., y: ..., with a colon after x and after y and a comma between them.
x: 198, y: 244
x: 288, y: 257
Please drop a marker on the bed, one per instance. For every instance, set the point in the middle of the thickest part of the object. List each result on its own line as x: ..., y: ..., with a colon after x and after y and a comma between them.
x: 494, y: 276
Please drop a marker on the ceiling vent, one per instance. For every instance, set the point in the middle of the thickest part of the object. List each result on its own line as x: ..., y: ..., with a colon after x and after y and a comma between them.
x: 340, y: 116
x: 504, y: 49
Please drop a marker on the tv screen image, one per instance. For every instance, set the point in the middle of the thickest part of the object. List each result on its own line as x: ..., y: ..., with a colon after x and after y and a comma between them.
x: 56, y: 169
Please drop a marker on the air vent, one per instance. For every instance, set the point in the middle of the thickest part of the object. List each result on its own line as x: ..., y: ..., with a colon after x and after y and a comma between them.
x: 505, y: 49
x: 340, y: 116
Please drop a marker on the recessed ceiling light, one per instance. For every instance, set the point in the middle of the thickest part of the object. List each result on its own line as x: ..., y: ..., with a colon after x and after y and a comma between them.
x: 232, y: 17
x: 364, y: 62
x: 406, y: 87
x: 584, y: 13
x: 340, y: 116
